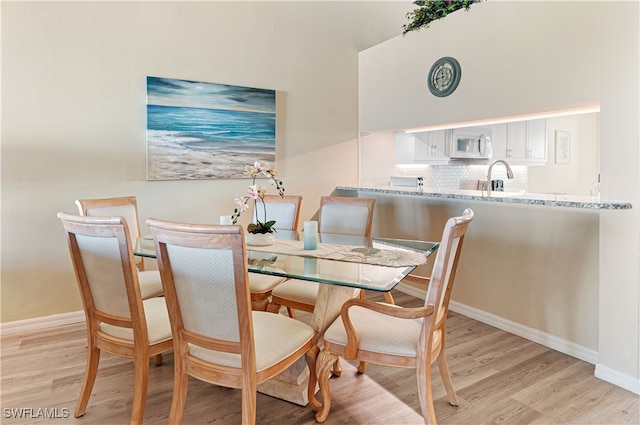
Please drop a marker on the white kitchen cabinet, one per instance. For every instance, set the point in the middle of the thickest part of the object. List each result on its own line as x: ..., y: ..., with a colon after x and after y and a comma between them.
x: 499, y: 145
x: 433, y: 145
x: 520, y: 142
x: 537, y: 140
x: 421, y: 148
x: 517, y: 141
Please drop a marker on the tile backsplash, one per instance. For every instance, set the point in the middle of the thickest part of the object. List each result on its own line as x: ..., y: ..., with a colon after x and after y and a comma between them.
x: 463, y: 176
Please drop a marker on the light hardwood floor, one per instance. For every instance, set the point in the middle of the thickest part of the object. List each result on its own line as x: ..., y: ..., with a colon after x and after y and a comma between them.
x: 499, y: 378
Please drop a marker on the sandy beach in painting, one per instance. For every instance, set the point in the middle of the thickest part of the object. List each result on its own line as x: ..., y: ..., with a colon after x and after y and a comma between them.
x: 171, y: 156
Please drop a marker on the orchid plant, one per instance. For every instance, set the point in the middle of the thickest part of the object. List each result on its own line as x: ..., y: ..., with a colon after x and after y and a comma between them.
x: 257, y: 194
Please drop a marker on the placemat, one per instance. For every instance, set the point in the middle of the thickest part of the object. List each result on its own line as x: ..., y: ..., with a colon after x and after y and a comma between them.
x: 355, y: 254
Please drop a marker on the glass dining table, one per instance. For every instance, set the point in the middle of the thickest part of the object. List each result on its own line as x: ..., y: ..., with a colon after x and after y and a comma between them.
x: 365, y: 263
x: 341, y: 264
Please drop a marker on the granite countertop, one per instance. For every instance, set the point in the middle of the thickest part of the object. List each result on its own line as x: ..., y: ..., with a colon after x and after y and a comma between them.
x: 523, y: 198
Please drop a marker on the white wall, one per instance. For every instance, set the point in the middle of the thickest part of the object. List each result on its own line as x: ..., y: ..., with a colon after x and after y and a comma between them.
x: 73, y: 112
x: 513, y: 62
x: 578, y: 176
x: 521, y: 57
x: 619, y: 296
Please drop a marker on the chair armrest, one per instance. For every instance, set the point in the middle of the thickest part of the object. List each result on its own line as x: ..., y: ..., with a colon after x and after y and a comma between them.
x: 353, y: 339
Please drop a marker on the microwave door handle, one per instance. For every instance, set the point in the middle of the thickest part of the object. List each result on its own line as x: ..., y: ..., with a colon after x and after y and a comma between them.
x: 483, y: 146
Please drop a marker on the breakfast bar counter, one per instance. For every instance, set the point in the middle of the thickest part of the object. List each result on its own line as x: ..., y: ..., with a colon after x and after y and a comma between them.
x: 531, y: 261
x: 521, y: 198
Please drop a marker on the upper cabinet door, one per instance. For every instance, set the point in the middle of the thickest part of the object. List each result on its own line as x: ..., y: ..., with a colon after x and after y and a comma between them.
x: 421, y: 148
x: 537, y: 140
x: 520, y: 142
x: 438, y: 141
x: 499, y: 144
x: 517, y: 141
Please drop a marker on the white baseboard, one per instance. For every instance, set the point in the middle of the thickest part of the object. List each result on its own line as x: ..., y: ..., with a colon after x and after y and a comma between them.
x: 45, y: 322
x: 535, y: 335
x: 616, y: 378
x: 515, y: 328
x: 601, y: 372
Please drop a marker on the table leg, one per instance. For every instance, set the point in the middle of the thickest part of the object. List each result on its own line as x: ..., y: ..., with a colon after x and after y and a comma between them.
x: 292, y: 384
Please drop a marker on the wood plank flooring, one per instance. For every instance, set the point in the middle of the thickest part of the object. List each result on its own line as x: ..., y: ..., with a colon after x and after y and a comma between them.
x: 499, y: 378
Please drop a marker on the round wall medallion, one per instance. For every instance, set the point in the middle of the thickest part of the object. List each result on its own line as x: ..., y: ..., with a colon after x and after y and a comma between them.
x: 444, y: 76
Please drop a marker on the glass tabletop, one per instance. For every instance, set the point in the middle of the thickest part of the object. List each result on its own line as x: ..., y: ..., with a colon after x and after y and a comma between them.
x: 321, y: 270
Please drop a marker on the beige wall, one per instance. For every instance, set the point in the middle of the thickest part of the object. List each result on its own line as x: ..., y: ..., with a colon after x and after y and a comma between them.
x: 519, y: 263
x: 73, y: 112
x: 526, y: 57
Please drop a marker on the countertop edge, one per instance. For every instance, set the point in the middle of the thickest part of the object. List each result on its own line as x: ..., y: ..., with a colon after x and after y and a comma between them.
x: 523, y: 199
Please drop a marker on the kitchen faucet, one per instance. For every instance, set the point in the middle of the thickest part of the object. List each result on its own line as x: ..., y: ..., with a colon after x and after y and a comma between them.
x: 509, y: 173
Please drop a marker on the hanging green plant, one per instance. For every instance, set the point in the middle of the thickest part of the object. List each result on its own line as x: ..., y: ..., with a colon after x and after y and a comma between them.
x: 432, y: 10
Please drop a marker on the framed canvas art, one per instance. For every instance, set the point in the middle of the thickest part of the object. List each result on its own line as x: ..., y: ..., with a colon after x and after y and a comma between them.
x: 199, y: 130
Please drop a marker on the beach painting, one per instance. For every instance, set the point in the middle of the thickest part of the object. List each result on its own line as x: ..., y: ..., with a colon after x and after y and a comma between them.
x: 201, y: 130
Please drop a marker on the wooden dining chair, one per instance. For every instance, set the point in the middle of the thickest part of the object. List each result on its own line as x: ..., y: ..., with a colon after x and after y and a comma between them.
x: 127, y: 207
x: 402, y: 337
x: 339, y: 216
x: 217, y: 337
x: 285, y: 210
x: 119, y: 321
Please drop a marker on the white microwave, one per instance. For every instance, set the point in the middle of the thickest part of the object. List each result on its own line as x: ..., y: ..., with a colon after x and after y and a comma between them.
x: 471, y: 143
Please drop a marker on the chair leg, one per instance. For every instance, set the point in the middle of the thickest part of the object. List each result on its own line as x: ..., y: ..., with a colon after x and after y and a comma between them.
x: 93, y: 358
x: 249, y: 396
x: 259, y: 305
x: 324, y: 364
x: 337, y: 368
x: 140, y: 381
x: 180, y: 386
x: 273, y: 308
x: 443, y: 366
x: 157, y: 360
x: 362, y: 366
x: 423, y: 375
x: 311, y: 356
x: 291, y: 312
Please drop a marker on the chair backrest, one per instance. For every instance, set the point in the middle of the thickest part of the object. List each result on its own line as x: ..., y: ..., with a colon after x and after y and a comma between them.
x: 125, y: 206
x: 205, y: 281
x: 105, y: 270
x: 285, y: 210
x: 446, y: 263
x: 346, y: 216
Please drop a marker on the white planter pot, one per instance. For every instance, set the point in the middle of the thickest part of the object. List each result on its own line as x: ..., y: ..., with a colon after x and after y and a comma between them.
x: 260, y: 239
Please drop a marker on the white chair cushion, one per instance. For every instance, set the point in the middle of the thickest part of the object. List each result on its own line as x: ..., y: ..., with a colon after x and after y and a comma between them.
x: 158, y: 325
x: 261, y: 283
x: 378, y: 332
x: 301, y: 291
x: 150, y: 283
x: 275, y: 337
